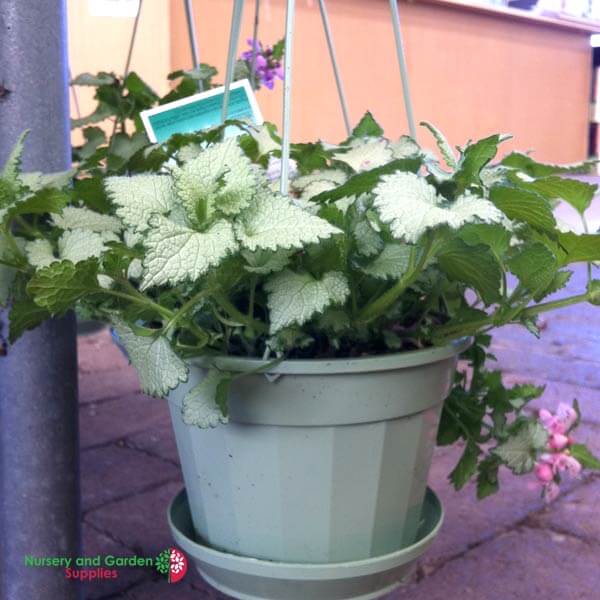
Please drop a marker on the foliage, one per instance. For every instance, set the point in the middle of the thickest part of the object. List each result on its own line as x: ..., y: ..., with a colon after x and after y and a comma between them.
x: 379, y: 248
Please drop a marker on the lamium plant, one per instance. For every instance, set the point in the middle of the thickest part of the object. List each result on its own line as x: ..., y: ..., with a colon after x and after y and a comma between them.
x: 379, y: 248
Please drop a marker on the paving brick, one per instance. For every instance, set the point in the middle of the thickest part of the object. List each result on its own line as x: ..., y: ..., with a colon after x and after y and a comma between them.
x: 575, y: 512
x: 159, y: 441
x: 469, y: 521
x: 101, y: 385
x: 96, y: 543
x: 113, y: 472
x: 98, y: 353
x: 111, y: 420
x: 139, y: 521
x: 519, y: 565
x: 547, y: 366
x: 160, y: 590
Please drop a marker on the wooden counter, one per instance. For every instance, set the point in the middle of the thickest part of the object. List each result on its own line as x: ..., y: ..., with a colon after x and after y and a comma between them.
x: 474, y: 70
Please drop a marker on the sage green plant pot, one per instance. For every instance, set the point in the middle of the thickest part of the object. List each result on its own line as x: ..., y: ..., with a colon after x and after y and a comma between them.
x: 323, y: 461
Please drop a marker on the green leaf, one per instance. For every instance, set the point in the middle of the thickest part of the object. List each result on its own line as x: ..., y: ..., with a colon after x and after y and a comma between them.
x: 577, y: 193
x: 579, y: 248
x: 466, y: 466
x: 221, y: 178
x: 365, y: 154
x: 47, y: 200
x: 73, y: 217
x: 140, y: 91
x: 497, y: 237
x: 139, y: 197
x: 205, y: 405
x: 40, y: 253
x: 527, y: 207
x: 7, y: 274
x: 443, y: 145
x: 273, y: 222
x: 365, y: 182
x: 535, y: 266
x: 263, y: 262
x: 294, y: 298
x: 412, y: 206
x: 367, y: 127
x: 23, y: 316
x: 474, y: 158
x: 487, y: 477
x: 94, y: 80
x: 582, y: 453
x: 175, y: 253
x: 526, y: 164
x: 519, y: 452
x: 159, y: 368
x: 59, y: 286
x: 473, y: 265
x: 559, y: 281
x: 392, y: 263
x: 13, y: 167
x: 78, y: 245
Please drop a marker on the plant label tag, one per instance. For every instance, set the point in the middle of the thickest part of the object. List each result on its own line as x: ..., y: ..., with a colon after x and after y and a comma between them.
x: 202, y: 111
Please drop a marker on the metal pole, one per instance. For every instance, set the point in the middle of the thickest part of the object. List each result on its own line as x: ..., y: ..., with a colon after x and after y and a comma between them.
x: 234, y: 38
x: 39, y: 462
x: 189, y: 13
x: 253, y: 78
x: 334, y: 64
x: 403, y: 70
x: 287, y: 97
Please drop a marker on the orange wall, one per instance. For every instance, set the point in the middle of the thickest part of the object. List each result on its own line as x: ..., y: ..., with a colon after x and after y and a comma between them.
x: 471, y: 74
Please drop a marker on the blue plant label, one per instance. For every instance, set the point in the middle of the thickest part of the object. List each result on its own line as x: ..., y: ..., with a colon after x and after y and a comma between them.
x: 202, y: 111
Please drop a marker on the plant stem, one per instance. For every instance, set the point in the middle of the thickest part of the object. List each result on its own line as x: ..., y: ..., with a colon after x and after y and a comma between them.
x: 378, y: 306
x: 183, y: 310
x: 459, y: 330
x: 161, y: 310
x: 224, y: 302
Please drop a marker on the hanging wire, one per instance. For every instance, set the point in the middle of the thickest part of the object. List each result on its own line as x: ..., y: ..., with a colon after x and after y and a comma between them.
x: 334, y: 64
x: 189, y: 13
x: 287, y: 96
x: 253, y: 78
x: 129, y: 55
x: 234, y: 37
x: 74, y: 94
x: 403, y: 70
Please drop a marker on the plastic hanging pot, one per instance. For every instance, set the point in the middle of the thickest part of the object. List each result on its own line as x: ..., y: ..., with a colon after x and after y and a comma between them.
x: 323, y: 462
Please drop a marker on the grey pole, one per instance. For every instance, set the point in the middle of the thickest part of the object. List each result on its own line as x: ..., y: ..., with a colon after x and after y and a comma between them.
x: 39, y: 483
x: 189, y: 15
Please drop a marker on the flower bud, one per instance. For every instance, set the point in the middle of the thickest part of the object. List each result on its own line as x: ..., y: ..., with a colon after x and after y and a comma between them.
x: 543, y: 471
x: 558, y: 441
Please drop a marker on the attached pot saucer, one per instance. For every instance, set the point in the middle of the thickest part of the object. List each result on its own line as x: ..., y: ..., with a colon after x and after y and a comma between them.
x: 253, y: 579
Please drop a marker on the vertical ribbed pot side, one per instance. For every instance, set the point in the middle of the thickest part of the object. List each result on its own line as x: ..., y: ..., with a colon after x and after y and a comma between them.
x: 327, y: 463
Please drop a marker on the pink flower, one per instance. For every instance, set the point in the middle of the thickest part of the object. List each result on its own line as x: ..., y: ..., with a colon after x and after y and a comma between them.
x: 573, y: 466
x: 552, y: 423
x: 544, y: 472
x: 551, y: 491
x: 558, y: 441
x: 567, y: 415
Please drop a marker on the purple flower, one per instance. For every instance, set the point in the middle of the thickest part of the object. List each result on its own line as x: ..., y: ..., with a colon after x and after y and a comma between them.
x: 266, y: 68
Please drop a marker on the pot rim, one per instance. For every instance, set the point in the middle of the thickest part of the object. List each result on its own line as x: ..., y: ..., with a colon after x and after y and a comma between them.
x: 331, y: 366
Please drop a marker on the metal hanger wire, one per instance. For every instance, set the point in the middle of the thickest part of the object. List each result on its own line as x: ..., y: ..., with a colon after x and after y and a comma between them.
x: 236, y: 22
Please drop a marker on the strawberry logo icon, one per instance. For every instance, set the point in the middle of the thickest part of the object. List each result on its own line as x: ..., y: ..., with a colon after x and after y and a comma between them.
x: 172, y: 563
